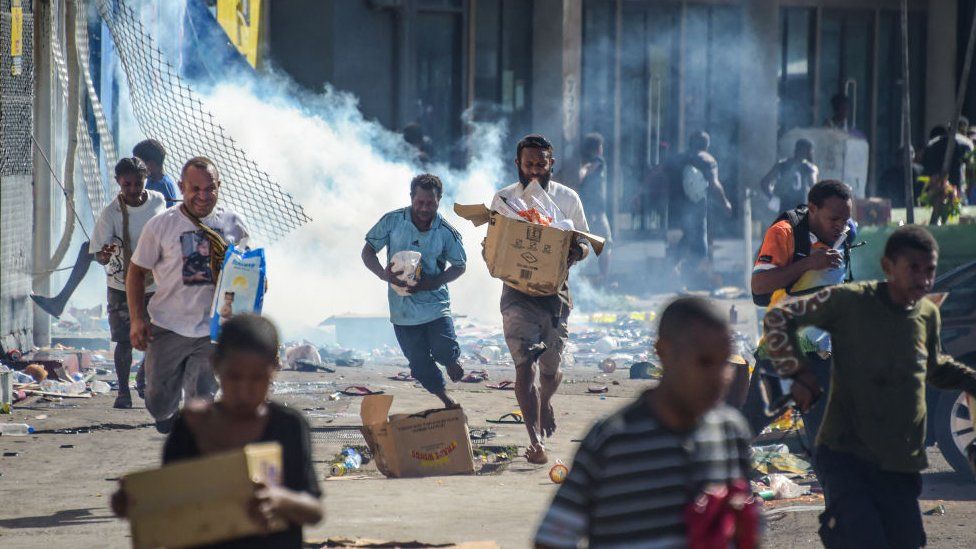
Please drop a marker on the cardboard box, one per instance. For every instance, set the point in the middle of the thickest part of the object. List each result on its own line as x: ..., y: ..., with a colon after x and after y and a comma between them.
x: 528, y: 257
x: 200, y: 501
x: 429, y: 443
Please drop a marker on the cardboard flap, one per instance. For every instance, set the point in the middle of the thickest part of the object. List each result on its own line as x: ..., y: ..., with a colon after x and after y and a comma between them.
x: 375, y: 409
x: 597, y: 242
x: 475, y: 213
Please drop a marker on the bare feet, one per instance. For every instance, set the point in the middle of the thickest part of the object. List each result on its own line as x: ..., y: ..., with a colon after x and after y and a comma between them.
x: 455, y: 372
x: 547, y: 389
x: 547, y: 420
x: 536, y: 454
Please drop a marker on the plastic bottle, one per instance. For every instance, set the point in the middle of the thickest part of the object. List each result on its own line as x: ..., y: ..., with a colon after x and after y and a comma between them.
x: 21, y: 377
x: 52, y: 386
x: 352, y: 459
x: 15, y: 429
x: 100, y: 387
x: 75, y: 388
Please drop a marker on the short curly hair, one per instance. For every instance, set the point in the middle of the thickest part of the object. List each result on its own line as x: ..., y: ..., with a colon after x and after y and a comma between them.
x: 428, y: 182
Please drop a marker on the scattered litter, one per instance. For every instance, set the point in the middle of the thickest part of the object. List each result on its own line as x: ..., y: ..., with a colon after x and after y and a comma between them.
x: 67, y: 446
x: 371, y: 543
x: 777, y: 458
x: 359, y: 390
x: 42, y: 416
x: 644, y: 370
x: 303, y: 365
x: 507, y: 385
x: 558, y: 472
x: 36, y: 372
x: 15, y: 429
x: 784, y: 488
x: 480, y: 435
x: 509, y: 418
x: 938, y: 511
x: 402, y: 376
x: 10, y: 454
x: 597, y: 390
x: 476, y: 376
x: 100, y: 387
x: 608, y: 366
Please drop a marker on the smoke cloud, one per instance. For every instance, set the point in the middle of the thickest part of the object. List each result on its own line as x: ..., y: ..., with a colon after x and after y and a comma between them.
x: 347, y: 172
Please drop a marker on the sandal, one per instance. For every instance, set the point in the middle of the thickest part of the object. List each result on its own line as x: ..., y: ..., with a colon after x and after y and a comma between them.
x: 516, y: 419
x: 402, y: 376
x: 506, y: 385
x: 598, y: 390
x: 475, y: 377
x: 482, y: 434
x: 359, y: 390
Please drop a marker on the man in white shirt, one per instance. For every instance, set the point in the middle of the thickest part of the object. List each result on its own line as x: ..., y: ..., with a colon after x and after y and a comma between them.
x: 183, y: 248
x: 536, y: 328
x: 116, y: 233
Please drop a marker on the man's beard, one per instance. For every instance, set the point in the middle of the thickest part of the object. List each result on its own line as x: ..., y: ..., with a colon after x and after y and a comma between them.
x: 543, y: 180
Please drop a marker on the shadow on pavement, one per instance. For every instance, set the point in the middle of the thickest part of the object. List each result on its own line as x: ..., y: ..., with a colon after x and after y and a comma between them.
x: 68, y: 517
x: 948, y: 486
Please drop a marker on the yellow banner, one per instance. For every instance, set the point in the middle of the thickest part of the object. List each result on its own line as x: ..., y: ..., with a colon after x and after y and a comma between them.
x: 16, y: 29
x: 241, y: 20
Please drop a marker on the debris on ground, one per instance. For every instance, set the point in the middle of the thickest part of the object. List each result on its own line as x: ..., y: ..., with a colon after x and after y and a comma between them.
x: 357, y: 542
x: 777, y: 458
x: 784, y: 488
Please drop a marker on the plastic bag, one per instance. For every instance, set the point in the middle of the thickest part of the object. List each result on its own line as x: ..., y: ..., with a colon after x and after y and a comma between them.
x: 784, y: 488
x: 694, y: 183
x: 535, y: 206
x: 408, y: 264
x: 240, y: 287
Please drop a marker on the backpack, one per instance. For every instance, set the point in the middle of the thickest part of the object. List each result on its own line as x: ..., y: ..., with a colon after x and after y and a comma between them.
x: 798, y: 220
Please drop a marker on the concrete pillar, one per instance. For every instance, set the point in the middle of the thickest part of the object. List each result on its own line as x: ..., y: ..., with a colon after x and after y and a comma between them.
x: 758, y: 91
x: 556, y: 73
x: 940, y: 65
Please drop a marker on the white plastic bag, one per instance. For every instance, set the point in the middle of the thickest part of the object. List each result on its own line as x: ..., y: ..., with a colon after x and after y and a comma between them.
x: 240, y: 287
x: 694, y: 183
x: 784, y: 488
x: 407, y: 263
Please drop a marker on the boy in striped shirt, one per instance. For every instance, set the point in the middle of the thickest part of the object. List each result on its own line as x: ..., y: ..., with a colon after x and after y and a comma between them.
x: 637, y: 471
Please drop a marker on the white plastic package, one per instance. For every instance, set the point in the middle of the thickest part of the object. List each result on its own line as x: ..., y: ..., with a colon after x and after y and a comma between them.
x: 408, y: 264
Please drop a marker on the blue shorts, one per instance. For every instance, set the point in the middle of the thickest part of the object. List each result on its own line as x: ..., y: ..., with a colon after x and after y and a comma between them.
x: 425, y: 346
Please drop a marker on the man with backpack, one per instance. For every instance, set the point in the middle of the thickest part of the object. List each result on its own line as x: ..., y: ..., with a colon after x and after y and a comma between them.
x: 694, y: 183
x: 807, y: 249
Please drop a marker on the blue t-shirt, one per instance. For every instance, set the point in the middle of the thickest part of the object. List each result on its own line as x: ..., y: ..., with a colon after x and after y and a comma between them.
x: 438, y: 246
x: 167, y: 187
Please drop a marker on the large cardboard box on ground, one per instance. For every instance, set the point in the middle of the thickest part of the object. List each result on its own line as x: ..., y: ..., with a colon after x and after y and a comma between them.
x: 528, y: 257
x: 200, y: 501
x: 428, y: 443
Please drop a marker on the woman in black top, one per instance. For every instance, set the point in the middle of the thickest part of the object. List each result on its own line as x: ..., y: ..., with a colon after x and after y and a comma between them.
x: 245, y: 360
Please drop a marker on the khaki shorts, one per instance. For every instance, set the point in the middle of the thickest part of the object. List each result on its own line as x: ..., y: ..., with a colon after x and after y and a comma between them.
x: 533, y: 334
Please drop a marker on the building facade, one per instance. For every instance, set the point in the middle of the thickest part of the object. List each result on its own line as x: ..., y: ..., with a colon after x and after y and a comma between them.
x: 644, y: 73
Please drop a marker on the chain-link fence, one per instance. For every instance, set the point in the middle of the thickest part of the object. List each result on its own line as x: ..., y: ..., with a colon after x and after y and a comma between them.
x: 16, y: 87
x: 16, y: 127
x: 168, y: 110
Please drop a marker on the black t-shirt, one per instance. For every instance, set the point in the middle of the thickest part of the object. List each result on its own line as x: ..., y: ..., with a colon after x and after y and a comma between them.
x: 285, y: 426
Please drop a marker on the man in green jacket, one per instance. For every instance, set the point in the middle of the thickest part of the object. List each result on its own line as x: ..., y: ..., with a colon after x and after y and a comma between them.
x: 871, y: 446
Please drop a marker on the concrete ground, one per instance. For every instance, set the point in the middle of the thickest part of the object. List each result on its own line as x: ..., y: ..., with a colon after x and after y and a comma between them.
x: 55, y: 485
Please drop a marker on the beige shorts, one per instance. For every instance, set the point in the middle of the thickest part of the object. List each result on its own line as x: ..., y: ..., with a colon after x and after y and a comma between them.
x: 533, y: 334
